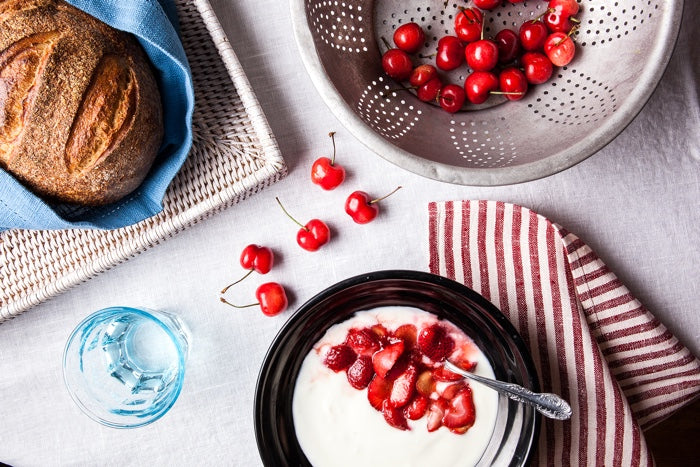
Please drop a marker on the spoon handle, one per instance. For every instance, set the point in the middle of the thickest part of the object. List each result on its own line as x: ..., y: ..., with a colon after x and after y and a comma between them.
x: 549, y: 405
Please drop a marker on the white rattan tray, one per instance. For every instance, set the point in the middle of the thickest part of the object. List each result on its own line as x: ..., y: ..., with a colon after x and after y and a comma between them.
x: 234, y: 155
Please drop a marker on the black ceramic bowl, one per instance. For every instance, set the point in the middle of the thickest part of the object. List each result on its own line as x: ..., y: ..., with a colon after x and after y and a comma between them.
x: 517, y: 425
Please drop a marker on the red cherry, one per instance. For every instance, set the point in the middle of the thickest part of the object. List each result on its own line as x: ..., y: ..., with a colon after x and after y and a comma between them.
x: 533, y: 34
x: 409, y: 37
x: 452, y: 97
x: 567, y: 7
x: 325, y: 173
x: 272, y: 298
x: 557, y: 22
x: 311, y: 236
x: 481, y: 55
x: 560, y: 48
x: 254, y: 258
x: 258, y: 258
x: 422, y: 74
x: 469, y: 24
x: 513, y: 83
x: 450, y: 53
x: 479, y: 85
x: 508, y: 45
x: 487, y: 4
x: 430, y: 90
x: 538, y: 68
x: 397, y: 64
x: 362, y: 208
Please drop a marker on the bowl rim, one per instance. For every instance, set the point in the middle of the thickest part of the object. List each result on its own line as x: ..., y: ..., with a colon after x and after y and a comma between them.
x: 649, y: 79
x: 398, y: 274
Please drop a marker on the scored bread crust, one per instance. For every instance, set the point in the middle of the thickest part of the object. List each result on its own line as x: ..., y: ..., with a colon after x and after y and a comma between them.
x: 80, y: 111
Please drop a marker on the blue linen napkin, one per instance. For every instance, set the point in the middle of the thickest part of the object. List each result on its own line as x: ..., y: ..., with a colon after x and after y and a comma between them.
x: 155, y: 25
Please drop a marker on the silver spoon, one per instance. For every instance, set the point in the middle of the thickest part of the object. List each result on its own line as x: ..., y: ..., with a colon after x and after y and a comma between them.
x: 549, y: 405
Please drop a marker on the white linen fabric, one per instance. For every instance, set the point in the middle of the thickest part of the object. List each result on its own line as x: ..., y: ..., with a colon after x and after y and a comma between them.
x: 635, y: 203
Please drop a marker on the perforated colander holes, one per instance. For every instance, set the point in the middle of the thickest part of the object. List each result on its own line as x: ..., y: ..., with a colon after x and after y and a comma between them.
x: 386, y: 111
x: 575, y: 99
x: 480, y: 144
x: 513, y: 15
x: 340, y: 25
x: 605, y: 21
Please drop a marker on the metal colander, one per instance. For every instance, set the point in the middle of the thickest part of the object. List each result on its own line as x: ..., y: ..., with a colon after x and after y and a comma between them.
x: 623, y: 47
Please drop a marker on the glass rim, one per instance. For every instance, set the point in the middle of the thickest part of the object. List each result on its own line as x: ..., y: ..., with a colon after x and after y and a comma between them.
x: 180, y: 341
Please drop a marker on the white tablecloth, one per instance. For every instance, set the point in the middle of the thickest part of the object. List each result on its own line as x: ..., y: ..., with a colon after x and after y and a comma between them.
x: 635, y: 203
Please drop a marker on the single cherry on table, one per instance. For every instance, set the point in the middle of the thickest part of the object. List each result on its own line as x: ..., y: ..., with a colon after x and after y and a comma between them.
x: 271, y: 297
x: 312, y: 235
x: 362, y: 208
x: 325, y: 172
x: 257, y: 257
x: 254, y: 258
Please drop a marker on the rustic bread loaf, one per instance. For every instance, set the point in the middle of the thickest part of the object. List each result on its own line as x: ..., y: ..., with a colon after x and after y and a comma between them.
x: 80, y: 112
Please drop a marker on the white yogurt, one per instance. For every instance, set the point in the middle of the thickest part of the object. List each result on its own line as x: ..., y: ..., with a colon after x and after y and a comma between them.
x: 336, y: 425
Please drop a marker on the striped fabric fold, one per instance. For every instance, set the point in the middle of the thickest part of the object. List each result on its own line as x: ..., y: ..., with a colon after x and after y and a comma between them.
x: 593, y: 343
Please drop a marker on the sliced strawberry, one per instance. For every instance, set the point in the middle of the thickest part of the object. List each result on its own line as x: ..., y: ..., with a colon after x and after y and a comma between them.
x: 436, y: 412
x: 443, y: 374
x: 394, y: 416
x: 360, y: 372
x: 449, y: 391
x: 417, y: 407
x: 339, y: 357
x: 464, y: 363
x: 461, y: 430
x: 460, y: 413
x: 362, y: 341
x: 425, y: 384
x: 399, y: 367
x: 434, y: 342
x: 404, y: 387
x: 407, y: 333
x: 378, y: 391
x: 384, y: 360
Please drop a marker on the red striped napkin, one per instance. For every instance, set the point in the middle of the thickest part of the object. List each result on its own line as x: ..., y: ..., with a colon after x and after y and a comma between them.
x: 593, y: 343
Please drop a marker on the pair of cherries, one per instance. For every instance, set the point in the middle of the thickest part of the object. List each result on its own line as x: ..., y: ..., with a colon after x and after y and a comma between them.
x: 359, y: 205
x: 271, y: 296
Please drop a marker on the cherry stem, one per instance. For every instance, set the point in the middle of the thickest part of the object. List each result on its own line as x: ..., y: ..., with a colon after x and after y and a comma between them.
x: 548, y: 10
x: 223, y: 300
x: 568, y: 36
x: 427, y: 56
x: 507, y: 93
x: 332, y: 135
x: 464, y: 12
x: 290, y: 216
x: 225, y: 289
x: 482, y: 26
x: 385, y: 196
x: 386, y: 43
